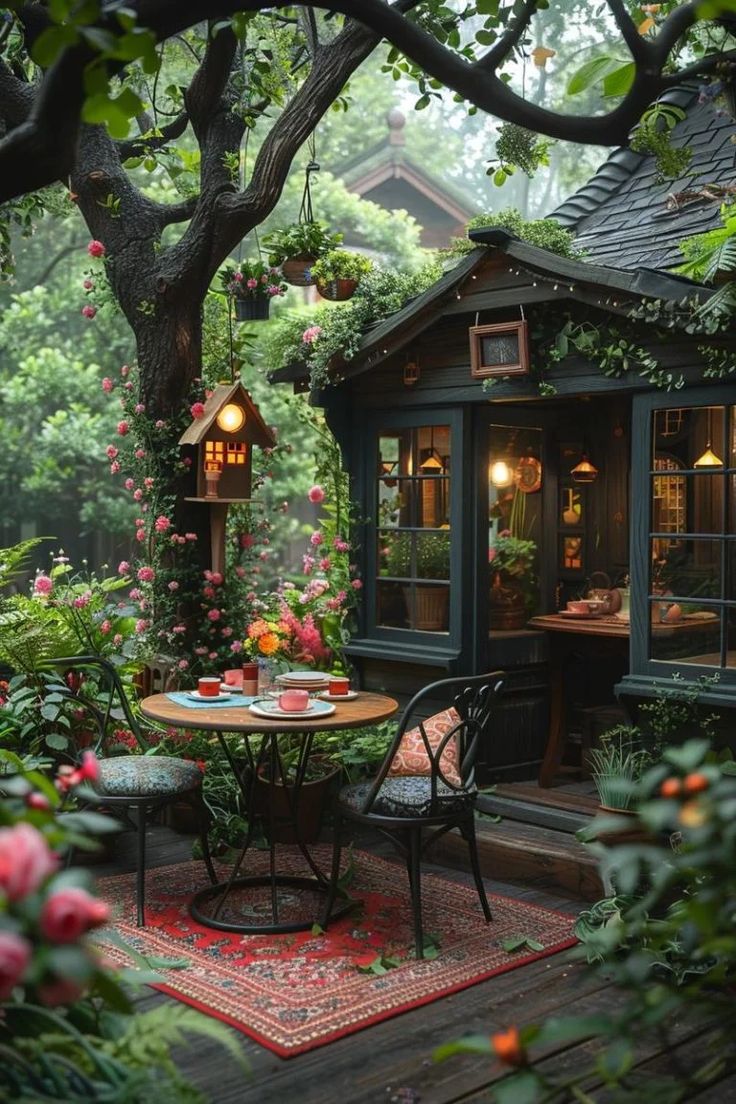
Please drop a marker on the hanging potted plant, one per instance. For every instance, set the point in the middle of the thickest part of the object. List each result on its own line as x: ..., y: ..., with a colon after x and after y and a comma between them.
x: 295, y: 249
x: 252, y: 285
x: 513, y: 584
x: 338, y: 274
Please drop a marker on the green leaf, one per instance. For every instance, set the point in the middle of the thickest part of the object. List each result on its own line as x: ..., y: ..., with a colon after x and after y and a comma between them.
x: 620, y: 80
x: 590, y: 73
x: 56, y: 741
x: 50, y: 44
x: 469, y: 1044
x: 524, y: 1087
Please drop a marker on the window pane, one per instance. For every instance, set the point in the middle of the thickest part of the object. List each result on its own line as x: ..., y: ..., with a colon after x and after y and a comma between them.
x: 696, y: 638
x: 394, y: 554
x: 433, y: 556
x: 392, y: 607
x: 693, y: 436
x: 394, y: 502
x: 433, y: 503
x: 433, y: 450
x: 691, y: 569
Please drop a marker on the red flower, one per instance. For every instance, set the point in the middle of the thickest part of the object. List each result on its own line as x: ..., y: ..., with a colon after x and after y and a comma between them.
x: 96, y: 249
x: 197, y: 410
x: 69, y: 913
x: 507, y: 1047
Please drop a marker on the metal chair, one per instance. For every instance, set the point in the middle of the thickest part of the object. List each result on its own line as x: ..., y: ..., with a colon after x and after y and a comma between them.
x: 401, y: 808
x: 145, y: 783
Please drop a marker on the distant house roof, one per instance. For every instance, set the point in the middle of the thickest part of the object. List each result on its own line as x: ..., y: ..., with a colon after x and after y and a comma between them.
x: 624, y: 219
x: 388, y: 176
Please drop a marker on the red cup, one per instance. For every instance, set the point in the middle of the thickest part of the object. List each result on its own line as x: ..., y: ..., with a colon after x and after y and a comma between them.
x: 338, y: 686
x: 209, y: 687
x: 294, y: 701
x: 250, y: 679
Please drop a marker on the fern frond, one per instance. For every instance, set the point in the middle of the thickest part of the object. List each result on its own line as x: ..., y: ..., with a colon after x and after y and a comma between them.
x: 13, y: 560
x: 722, y: 259
x: 168, y: 1025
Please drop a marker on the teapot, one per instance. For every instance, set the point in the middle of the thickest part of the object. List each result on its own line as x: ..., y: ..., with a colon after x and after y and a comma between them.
x: 600, y: 590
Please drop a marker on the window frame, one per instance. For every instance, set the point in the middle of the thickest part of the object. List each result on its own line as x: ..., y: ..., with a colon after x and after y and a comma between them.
x: 641, y: 663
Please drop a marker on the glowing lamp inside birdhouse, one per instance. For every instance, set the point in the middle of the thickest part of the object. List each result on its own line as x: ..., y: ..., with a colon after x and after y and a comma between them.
x: 231, y: 418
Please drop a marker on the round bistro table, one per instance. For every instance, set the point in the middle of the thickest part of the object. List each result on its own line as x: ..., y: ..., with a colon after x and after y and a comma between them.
x: 365, y: 709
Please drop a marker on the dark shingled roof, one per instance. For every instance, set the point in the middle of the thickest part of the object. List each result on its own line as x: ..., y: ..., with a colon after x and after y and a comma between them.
x: 622, y: 217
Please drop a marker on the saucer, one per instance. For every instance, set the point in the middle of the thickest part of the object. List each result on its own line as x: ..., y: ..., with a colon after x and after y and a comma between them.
x: 325, y: 695
x: 273, y: 710
x: 580, y: 616
x: 196, y: 696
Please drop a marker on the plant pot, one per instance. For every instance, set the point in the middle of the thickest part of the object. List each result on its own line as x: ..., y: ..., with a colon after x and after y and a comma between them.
x: 297, y: 270
x: 507, y: 609
x: 277, y: 802
x: 627, y: 833
x: 252, y: 310
x: 338, y: 290
x: 430, y: 607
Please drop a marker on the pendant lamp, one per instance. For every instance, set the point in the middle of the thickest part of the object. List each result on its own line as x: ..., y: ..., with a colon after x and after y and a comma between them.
x: 584, y: 472
x: 708, y: 459
x: 432, y: 463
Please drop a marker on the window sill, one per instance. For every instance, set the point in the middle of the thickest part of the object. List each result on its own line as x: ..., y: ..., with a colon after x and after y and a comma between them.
x: 403, y: 652
x: 723, y: 694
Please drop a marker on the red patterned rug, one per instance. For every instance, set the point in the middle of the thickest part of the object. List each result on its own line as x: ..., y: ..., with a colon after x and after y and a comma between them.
x: 292, y: 993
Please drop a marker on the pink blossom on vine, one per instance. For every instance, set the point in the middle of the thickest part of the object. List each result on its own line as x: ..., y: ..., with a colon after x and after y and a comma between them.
x: 139, y: 408
x: 240, y: 571
x: 340, y: 545
x: 114, y: 468
x: 123, y: 428
x: 141, y: 625
x: 311, y: 334
x: 107, y: 385
x: 112, y: 452
x: 216, y: 578
x: 236, y: 646
x: 316, y: 539
x: 140, y: 453
x: 129, y: 484
x: 197, y: 410
x: 145, y: 575
x: 162, y: 524
x: 213, y: 615
x: 173, y: 585
x: 316, y: 494
x: 96, y: 248
x: 43, y: 585
x: 137, y: 494
x: 140, y: 535
x: 183, y: 664
x: 357, y: 584
x: 123, y: 567
x: 190, y: 536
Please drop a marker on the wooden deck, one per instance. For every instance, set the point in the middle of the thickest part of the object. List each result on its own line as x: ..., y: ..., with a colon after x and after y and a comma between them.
x: 392, y: 1061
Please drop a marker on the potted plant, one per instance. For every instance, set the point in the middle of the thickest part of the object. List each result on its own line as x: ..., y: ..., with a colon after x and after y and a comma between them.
x: 616, y: 766
x: 432, y: 562
x: 513, y: 587
x: 252, y: 285
x: 295, y: 249
x: 338, y: 273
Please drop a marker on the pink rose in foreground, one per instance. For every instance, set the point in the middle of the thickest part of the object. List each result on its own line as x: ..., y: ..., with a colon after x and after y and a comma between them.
x: 69, y: 913
x: 89, y: 311
x: 90, y: 768
x: 15, y: 954
x: 316, y: 494
x: 140, y: 535
x: 197, y: 410
x: 25, y: 861
x: 59, y: 991
x: 43, y: 585
x: 96, y: 249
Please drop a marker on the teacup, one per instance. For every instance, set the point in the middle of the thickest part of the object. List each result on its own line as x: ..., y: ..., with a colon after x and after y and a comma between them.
x: 294, y: 701
x: 209, y: 687
x: 338, y: 686
x: 595, y: 605
x: 577, y: 607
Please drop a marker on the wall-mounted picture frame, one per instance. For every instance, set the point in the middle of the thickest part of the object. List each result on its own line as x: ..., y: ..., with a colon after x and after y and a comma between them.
x: 499, y: 349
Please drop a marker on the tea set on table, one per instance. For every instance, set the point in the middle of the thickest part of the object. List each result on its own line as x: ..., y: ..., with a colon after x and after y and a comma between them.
x: 602, y: 601
x: 295, y: 693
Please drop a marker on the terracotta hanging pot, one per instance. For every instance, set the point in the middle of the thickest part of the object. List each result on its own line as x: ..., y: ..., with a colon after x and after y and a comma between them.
x: 297, y: 270
x: 338, y: 290
x: 252, y: 310
x: 507, y: 607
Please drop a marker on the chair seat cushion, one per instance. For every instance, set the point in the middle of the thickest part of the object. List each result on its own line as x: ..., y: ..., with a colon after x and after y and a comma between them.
x: 411, y: 757
x: 407, y: 797
x: 147, y: 776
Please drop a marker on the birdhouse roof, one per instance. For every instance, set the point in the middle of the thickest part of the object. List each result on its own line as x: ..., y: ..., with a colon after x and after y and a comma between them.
x: 258, y: 432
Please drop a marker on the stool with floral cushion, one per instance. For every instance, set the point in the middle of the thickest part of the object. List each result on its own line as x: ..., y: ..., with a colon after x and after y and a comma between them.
x: 142, y: 782
x: 426, y: 781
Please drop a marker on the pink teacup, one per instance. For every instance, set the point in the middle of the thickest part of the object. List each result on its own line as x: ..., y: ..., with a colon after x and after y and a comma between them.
x: 294, y: 701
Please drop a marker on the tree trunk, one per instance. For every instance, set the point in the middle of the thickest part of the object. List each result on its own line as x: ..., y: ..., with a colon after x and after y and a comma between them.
x: 169, y: 344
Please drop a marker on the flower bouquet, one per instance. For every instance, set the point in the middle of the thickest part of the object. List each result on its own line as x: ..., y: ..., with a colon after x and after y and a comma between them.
x: 252, y: 285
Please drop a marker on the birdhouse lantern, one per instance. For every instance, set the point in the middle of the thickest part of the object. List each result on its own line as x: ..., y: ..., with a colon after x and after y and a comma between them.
x: 224, y: 436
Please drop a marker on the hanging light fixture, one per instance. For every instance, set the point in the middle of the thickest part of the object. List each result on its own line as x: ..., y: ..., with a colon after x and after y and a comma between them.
x: 432, y: 462
x: 584, y: 471
x: 501, y: 474
x: 708, y: 459
x: 231, y: 418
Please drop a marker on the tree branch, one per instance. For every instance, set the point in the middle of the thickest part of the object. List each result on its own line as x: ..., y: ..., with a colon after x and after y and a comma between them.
x: 132, y: 147
x: 170, y: 213
x: 510, y: 38
x: 638, y: 46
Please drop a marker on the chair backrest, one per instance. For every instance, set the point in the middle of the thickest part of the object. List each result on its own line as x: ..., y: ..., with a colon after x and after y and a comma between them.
x: 111, y: 704
x: 473, y: 697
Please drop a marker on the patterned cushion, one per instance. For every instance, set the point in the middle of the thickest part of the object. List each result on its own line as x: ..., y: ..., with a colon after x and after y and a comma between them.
x: 407, y: 797
x: 412, y: 758
x: 147, y: 776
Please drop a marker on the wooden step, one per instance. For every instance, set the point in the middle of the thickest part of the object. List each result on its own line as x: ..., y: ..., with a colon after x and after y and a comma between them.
x: 526, y: 854
x: 531, y: 812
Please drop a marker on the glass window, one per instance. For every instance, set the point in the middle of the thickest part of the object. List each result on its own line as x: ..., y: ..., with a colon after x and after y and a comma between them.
x: 691, y: 590
x: 413, y: 510
x: 514, y: 523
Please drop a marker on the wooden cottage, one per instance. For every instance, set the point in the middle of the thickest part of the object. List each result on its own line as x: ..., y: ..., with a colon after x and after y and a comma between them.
x: 223, y: 438
x: 563, y: 401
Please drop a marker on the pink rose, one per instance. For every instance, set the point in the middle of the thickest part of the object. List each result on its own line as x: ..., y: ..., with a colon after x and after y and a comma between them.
x: 89, y: 311
x: 88, y: 285
x: 107, y: 384
x: 316, y: 494
x: 124, y: 371
x: 324, y: 563
x: 197, y: 410
x: 96, y: 249
x: 216, y: 578
x: 247, y: 540
x: 129, y: 484
x: 106, y: 627
x: 190, y: 536
x: 114, y: 468
x: 140, y: 453
x: 145, y: 575
x: 141, y: 625
x: 137, y: 494
x: 117, y: 639
x: 240, y: 571
x: 25, y: 861
x: 123, y: 428
x: 251, y: 283
x: 316, y: 539
x: 139, y: 408
x: 140, y: 535
x: 238, y: 277
x: 43, y: 585
x: 213, y: 615
x: 15, y: 955
x: 59, y: 991
x: 123, y: 567
x: 69, y: 913
x: 274, y: 289
x: 183, y: 664
x: 356, y: 584
x: 173, y: 585
x: 111, y: 452
x: 236, y: 646
x: 311, y: 334
x: 161, y: 524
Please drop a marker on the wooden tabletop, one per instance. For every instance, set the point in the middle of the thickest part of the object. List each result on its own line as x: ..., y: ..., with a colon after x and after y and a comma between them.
x: 610, y: 625
x: 366, y: 709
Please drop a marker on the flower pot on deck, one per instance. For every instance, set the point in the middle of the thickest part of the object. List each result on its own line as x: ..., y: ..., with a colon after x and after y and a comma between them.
x: 507, y: 607
x: 278, y: 802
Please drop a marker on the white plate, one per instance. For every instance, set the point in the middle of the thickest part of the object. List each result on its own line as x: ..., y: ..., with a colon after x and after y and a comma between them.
x: 272, y: 710
x: 326, y: 696
x: 195, y: 694
x: 302, y: 677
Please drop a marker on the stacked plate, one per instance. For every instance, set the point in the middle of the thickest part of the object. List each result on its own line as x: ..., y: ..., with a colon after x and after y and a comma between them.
x: 304, y: 680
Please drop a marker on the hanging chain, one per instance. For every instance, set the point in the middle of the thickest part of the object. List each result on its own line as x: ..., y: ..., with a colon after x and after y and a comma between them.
x: 306, y: 213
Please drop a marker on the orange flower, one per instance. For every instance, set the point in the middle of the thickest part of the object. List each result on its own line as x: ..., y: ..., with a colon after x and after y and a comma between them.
x: 692, y: 815
x: 695, y: 783
x: 268, y: 644
x: 507, y: 1047
x: 671, y: 787
x: 258, y: 628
